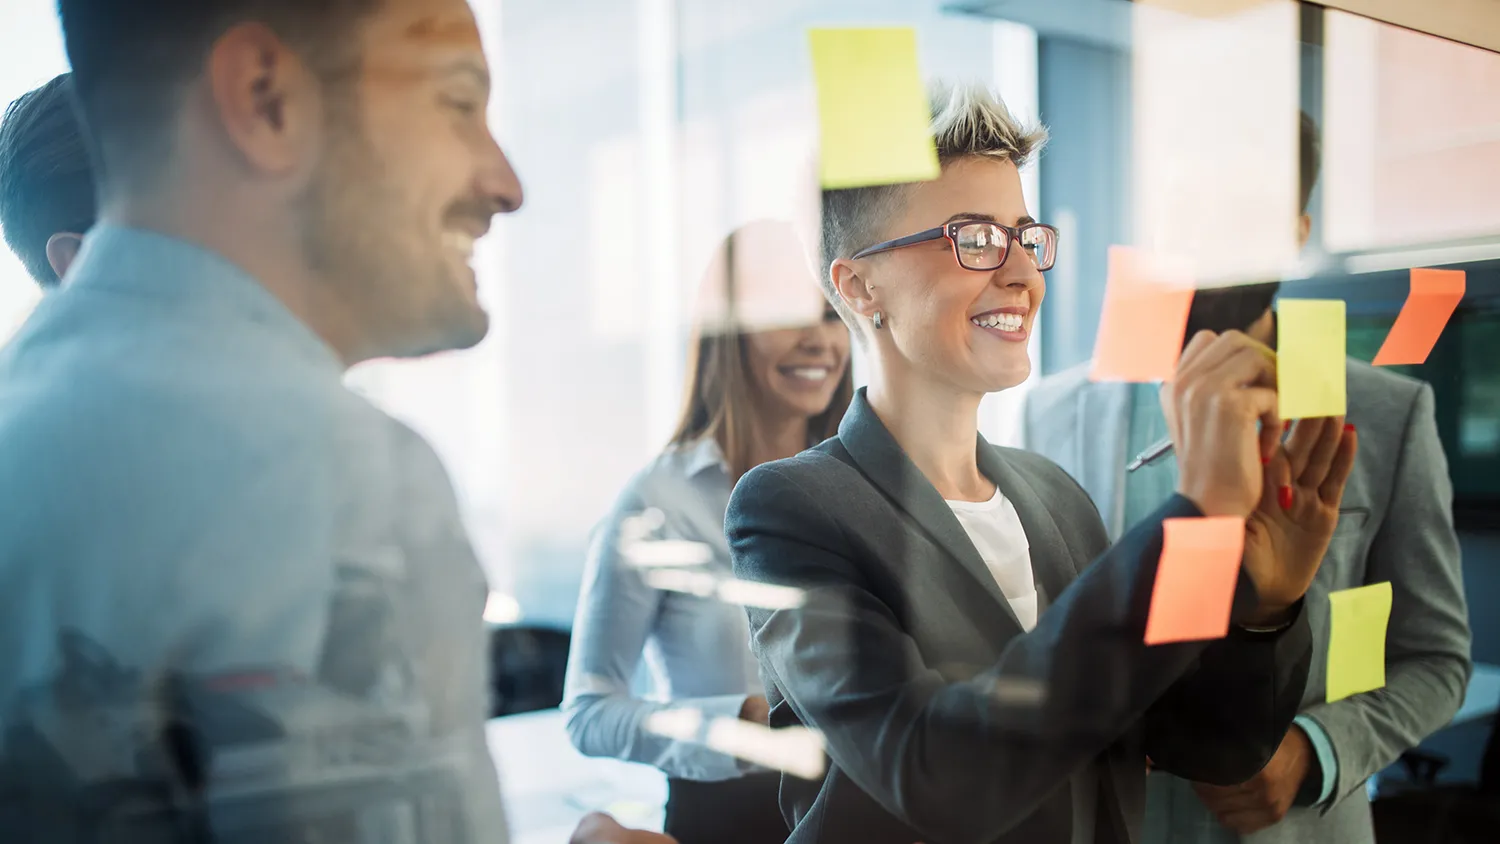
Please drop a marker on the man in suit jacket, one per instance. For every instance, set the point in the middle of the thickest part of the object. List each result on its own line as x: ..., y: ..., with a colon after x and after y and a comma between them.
x: 1395, y: 525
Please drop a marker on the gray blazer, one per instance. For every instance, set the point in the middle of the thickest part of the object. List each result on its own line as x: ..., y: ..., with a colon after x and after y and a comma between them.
x: 907, y: 657
x: 1395, y: 524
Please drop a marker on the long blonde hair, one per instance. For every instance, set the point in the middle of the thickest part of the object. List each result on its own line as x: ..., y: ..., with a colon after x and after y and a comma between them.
x: 719, y: 395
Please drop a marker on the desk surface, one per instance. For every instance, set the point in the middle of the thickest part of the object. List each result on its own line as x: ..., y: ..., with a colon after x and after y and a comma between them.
x: 549, y: 786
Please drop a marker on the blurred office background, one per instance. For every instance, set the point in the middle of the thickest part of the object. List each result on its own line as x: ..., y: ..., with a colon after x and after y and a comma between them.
x: 646, y: 130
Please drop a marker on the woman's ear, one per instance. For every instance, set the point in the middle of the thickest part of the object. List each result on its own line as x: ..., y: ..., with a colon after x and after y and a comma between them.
x: 852, y: 288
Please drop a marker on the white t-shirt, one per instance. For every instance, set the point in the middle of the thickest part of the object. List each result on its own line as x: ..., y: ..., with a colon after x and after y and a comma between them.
x: 995, y: 528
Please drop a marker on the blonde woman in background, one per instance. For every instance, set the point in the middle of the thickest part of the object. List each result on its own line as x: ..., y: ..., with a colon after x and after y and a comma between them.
x: 768, y: 377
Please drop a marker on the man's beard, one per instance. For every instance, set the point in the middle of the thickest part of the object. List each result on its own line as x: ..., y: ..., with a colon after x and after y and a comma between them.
x: 361, y: 245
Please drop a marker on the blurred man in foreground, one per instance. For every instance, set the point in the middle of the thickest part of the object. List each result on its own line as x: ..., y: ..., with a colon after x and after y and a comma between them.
x: 242, y: 603
x: 46, y: 184
x: 1395, y: 524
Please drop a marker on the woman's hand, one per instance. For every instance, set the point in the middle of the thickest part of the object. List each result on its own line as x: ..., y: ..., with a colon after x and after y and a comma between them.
x: 1288, y: 533
x: 599, y: 828
x: 1225, y: 384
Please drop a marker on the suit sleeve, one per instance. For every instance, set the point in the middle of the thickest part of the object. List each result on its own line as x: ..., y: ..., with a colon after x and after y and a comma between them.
x: 957, y: 761
x: 1224, y: 719
x: 1427, y: 641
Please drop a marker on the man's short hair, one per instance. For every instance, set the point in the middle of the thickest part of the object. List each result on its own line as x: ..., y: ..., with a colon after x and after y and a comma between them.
x: 134, y: 61
x: 46, y: 183
x: 968, y: 121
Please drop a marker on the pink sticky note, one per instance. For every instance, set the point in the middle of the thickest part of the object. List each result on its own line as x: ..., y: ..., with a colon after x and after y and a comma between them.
x: 1433, y: 298
x: 1194, y: 592
x: 1146, y: 302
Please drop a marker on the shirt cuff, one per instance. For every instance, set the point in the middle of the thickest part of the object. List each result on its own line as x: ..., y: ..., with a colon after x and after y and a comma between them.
x: 1327, y: 763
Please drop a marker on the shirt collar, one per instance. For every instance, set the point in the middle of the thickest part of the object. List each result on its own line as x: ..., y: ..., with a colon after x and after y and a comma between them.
x: 703, y: 455
x: 187, y: 277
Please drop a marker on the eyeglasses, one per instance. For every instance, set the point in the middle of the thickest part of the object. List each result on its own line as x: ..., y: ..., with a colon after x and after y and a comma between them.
x: 981, y: 245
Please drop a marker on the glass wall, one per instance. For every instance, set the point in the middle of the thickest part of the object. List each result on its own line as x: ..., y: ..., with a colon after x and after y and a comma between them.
x: 644, y: 133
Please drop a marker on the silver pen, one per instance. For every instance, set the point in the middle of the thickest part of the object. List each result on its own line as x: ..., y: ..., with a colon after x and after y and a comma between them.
x: 1154, y: 453
x: 1157, y: 450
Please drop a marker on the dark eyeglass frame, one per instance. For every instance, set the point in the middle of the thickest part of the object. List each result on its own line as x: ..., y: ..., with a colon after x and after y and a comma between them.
x: 950, y: 231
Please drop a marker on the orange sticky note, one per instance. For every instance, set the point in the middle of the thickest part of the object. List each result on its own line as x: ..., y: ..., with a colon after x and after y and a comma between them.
x: 1433, y: 298
x: 1195, y: 579
x: 1146, y: 302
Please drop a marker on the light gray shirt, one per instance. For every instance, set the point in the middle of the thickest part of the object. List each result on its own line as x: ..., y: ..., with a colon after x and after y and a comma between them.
x: 238, y: 597
x: 697, y: 648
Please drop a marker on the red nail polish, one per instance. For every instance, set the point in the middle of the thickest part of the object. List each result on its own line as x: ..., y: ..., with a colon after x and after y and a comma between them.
x: 1348, y: 427
x: 1286, y: 426
x: 1284, y: 497
x: 1264, y: 460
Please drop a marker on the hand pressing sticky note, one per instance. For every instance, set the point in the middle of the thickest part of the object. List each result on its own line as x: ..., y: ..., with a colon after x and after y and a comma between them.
x: 1310, y: 363
x: 1357, y: 619
x: 1195, y: 579
x: 873, y: 111
x: 1433, y: 298
x: 1146, y: 301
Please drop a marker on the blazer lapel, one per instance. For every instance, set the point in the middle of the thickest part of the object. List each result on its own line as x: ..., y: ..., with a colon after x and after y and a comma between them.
x: 1102, y: 432
x: 1051, y: 562
x: 882, y: 460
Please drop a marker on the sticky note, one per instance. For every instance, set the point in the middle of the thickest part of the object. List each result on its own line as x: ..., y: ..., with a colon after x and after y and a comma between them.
x: 1357, y: 619
x: 1195, y: 579
x: 873, y: 111
x: 1146, y: 301
x: 1433, y: 298
x: 1310, y: 364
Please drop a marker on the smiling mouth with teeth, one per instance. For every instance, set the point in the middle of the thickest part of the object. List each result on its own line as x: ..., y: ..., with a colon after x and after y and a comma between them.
x: 1001, y: 322
x: 459, y: 242
x: 809, y: 373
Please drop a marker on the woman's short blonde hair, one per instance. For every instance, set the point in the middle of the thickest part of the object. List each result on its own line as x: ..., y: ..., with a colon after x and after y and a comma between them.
x: 968, y: 121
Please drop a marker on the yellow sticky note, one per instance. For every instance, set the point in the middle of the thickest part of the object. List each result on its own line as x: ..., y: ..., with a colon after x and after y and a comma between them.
x: 1357, y: 619
x: 1310, y: 364
x: 872, y: 108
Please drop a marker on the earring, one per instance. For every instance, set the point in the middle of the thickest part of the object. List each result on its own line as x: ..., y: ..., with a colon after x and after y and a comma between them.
x: 879, y: 320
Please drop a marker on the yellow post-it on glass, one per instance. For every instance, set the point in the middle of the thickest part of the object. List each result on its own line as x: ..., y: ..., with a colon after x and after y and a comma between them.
x: 1357, y: 619
x: 872, y: 108
x: 1310, y: 364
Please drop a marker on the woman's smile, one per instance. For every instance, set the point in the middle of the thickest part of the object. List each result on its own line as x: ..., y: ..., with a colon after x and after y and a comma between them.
x: 1007, y: 323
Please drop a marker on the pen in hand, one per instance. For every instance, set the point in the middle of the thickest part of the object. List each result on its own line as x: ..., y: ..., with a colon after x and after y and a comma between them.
x: 1155, y: 452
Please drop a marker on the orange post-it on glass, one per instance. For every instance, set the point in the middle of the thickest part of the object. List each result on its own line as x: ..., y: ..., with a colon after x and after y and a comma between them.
x: 1146, y: 302
x: 1433, y: 298
x: 1195, y: 579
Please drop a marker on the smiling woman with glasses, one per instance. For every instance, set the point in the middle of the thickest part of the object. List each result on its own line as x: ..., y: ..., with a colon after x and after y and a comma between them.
x: 969, y: 644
